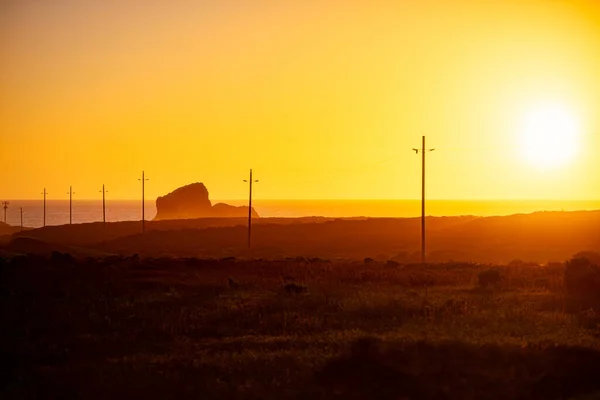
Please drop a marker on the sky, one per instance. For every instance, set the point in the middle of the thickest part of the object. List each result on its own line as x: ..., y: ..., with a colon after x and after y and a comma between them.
x: 324, y: 100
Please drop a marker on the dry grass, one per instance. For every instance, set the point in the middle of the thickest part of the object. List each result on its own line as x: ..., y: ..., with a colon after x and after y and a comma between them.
x: 293, y: 328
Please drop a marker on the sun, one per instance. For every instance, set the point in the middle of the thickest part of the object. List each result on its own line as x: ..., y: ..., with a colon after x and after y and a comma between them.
x: 550, y: 136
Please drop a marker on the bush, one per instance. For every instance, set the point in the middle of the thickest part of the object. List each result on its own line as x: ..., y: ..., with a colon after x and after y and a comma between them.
x: 232, y: 283
x: 61, y: 258
x: 592, y: 256
x: 490, y: 277
x: 582, y: 277
x: 421, y: 279
x: 293, y: 288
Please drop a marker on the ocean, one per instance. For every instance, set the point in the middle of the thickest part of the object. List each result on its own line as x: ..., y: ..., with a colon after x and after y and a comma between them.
x: 57, y: 211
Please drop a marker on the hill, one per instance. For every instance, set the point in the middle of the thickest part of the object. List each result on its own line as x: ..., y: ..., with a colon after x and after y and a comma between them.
x: 91, y: 233
x: 6, y: 229
x: 538, y: 237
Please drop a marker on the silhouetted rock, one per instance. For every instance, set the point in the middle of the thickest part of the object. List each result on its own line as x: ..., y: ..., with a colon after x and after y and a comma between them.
x: 228, y: 211
x: 189, y: 201
x: 192, y: 201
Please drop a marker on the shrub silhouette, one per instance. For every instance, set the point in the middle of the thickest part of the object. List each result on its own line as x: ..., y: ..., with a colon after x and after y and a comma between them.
x: 490, y: 277
x: 232, y: 283
x: 582, y: 277
x: 61, y: 258
x: 372, y: 369
x: 421, y: 280
x: 592, y: 256
x: 293, y: 288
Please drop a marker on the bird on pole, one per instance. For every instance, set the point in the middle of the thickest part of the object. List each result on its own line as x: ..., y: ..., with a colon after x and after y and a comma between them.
x: 423, y: 150
x: 250, y: 182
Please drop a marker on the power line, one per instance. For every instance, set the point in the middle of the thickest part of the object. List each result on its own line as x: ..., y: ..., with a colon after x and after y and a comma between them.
x: 250, y: 182
x: 143, y: 180
x: 45, y: 194
x: 103, y: 191
x: 5, y: 205
x: 423, y: 151
x: 70, y: 204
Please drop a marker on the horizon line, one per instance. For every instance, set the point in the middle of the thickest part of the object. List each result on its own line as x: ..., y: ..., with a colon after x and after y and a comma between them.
x: 316, y: 199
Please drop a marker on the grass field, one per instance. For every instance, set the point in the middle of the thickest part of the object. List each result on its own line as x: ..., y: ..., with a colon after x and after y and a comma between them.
x: 294, y: 328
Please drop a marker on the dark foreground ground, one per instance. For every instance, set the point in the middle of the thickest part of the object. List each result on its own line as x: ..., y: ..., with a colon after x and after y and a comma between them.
x: 296, y: 328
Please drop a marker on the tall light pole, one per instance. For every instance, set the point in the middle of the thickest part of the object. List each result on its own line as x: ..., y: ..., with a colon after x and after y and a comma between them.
x: 143, y: 201
x: 103, y: 191
x: 21, y: 216
x: 5, y: 205
x: 45, y: 194
x: 423, y: 151
x: 70, y: 204
x: 250, y: 181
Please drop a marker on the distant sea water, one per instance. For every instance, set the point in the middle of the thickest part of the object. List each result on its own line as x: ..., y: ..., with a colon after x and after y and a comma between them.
x: 57, y: 211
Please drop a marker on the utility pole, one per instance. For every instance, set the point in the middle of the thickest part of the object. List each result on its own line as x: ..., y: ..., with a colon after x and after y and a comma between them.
x: 70, y: 204
x: 143, y: 201
x: 5, y: 205
x: 103, y: 191
x: 21, y: 216
x: 45, y: 193
x: 250, y: 181
x: 423, y: 150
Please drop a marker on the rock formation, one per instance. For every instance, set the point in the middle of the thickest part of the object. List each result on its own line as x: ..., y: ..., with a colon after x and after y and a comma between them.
x: 192, y: 201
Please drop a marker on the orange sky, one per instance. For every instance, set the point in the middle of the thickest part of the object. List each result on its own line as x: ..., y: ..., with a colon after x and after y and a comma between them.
x: 322, y: 99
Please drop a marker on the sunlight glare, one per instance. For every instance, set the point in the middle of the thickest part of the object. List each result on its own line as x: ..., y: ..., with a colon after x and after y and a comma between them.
x: 550, y: 136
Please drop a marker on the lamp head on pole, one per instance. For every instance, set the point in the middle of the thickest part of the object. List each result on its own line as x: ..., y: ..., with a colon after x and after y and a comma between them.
x: 143, y: 178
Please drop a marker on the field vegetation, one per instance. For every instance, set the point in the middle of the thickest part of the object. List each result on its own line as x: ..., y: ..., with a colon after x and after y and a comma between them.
x: 173, y: 328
